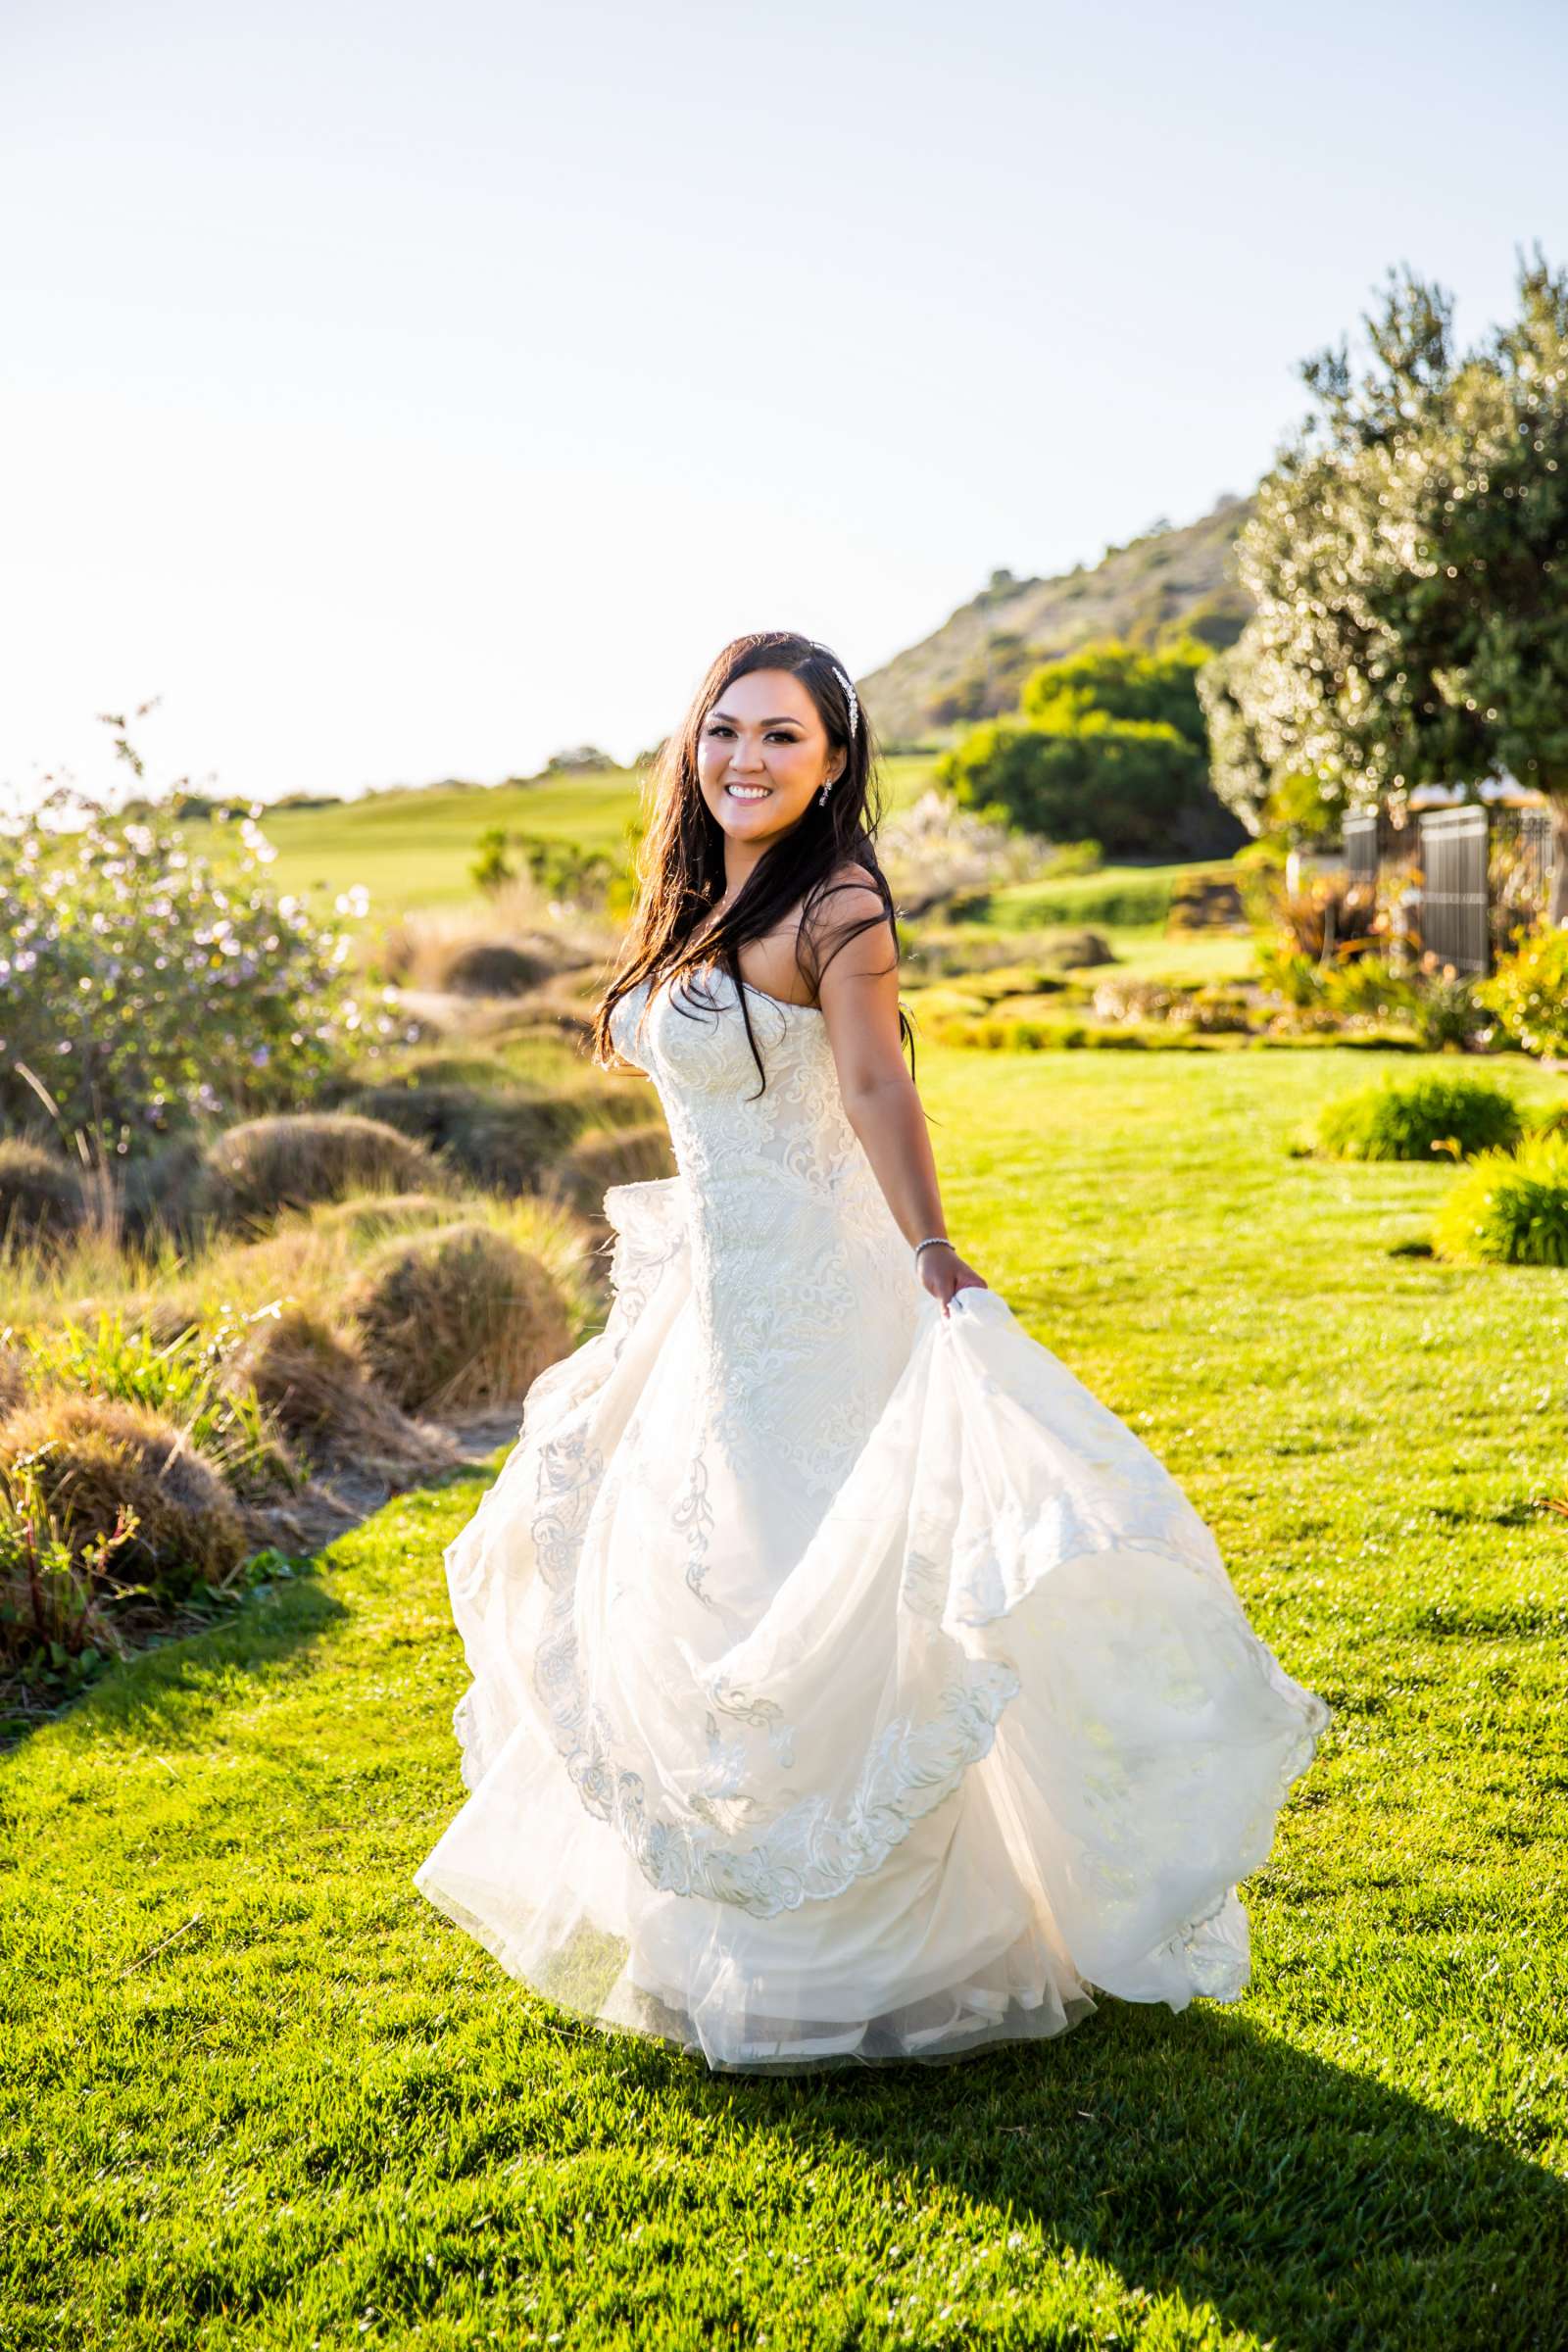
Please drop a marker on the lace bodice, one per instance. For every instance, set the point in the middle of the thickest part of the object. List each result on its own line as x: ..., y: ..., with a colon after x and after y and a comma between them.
x: 804, y: 1286
x: 721, y: 1119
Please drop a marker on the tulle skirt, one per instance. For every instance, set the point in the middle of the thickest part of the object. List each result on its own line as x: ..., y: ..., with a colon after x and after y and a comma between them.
x: 797, y: 1780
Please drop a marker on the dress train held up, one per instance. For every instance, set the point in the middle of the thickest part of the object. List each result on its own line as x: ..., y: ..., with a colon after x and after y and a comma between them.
x: 848, y: 1683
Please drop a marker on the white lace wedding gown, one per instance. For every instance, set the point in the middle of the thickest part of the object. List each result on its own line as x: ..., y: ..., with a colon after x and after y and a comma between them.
x: 848, y: 1683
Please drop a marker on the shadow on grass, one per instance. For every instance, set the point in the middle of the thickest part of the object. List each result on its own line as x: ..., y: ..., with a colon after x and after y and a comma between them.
x: 265, y: 1624
x: 1309, y: 2205
x: 165, y: 1684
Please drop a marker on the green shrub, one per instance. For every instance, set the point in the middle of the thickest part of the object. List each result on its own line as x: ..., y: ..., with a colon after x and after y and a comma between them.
x: 1289, y: 972
x: 1077, y: 950
x: 1529, y: 992
x: 149, y: 994
x: 1370, y: 985
x: 1011, y: 980
x: 1447, y: 1012
x: 1417, y: 1118
x: 1509, y: 1209
x: 178, y: 1377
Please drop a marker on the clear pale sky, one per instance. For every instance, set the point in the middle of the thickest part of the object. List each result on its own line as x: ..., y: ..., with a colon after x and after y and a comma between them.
x: 411, y: 392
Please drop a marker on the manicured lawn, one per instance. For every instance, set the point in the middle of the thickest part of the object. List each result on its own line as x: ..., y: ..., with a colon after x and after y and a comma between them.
x: 260, y: 2093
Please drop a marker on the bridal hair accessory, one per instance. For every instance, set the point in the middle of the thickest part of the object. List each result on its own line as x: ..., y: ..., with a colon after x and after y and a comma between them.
x: 850, y: 696
x: 848, y: 684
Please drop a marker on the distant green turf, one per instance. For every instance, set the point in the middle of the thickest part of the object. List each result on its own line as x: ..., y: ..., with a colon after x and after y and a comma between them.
x: 414, y: 848
x: 257, y: 2093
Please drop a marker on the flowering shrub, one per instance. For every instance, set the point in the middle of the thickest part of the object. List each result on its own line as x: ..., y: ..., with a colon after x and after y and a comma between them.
x: 1528, y: 991
x: 937, y: 847
x: 138, y: 991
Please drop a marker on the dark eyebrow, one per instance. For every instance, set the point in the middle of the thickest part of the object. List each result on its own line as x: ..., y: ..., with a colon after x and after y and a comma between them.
x: 785, y: 721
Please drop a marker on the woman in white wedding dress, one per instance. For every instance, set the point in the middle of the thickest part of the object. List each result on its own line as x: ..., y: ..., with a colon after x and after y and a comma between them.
x: 847, y: 1684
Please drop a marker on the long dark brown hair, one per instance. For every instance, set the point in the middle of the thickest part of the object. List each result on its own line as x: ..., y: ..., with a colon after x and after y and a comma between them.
x: 680, y: 863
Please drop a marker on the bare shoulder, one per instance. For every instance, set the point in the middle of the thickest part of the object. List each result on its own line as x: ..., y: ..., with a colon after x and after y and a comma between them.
x: 847, y: 921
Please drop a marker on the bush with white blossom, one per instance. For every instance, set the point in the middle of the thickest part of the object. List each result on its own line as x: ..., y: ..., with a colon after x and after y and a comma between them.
x: 142, y: 994
x: 935, y: 848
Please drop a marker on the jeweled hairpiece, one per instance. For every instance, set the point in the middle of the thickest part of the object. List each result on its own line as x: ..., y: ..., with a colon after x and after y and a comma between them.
x: 850, y: 696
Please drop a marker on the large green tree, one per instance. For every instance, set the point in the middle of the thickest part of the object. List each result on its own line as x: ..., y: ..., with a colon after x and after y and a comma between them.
x: 1108, y: 744
x: 1125, y: 682
x: 1408, y: 560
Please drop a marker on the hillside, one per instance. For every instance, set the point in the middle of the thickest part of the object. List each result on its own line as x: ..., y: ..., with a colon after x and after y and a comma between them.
x: 1150, y: 589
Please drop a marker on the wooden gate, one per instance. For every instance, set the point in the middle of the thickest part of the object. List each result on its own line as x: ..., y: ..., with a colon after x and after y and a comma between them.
x: 1453, y: 893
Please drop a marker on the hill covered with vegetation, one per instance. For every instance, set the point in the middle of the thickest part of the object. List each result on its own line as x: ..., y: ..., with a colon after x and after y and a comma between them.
x: 1163, y: 584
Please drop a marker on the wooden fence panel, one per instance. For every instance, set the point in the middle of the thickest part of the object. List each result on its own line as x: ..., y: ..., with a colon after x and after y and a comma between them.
x: 1453, y: 893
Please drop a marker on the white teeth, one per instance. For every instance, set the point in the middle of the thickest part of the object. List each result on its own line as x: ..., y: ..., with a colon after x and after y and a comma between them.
x: 749, y: 792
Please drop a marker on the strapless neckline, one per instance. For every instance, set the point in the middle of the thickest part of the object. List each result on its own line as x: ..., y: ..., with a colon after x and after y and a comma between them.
x: 784, y: 1003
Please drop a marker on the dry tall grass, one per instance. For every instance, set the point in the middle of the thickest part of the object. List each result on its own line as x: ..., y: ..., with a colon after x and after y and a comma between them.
x: 94, y: 1457
x: 296, y: 1158
x: 317, y: 1392
x: 456, y: 1318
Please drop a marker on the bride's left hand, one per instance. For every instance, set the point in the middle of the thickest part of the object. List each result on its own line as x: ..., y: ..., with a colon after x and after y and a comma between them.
x: 943, y: 1271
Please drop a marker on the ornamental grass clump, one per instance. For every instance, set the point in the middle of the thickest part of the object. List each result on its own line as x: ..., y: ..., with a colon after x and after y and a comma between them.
x: 456, y: 1319
x: 500, y: 1142
x: 256, y: 1171
x: 167, y: 1364
x: 315, y: 1390
x: 605, y: 1155
x: 1419, y: 1118
x: 1509, y: 1209
x: 92, y: 1463
x: 40, y: 1197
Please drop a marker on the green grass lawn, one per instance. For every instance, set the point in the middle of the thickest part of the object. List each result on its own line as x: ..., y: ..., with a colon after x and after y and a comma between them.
x: 1183, y: 958
x: 259, y: 2092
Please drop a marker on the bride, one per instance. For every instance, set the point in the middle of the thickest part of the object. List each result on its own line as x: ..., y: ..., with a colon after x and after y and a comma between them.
x: 847, y: 1684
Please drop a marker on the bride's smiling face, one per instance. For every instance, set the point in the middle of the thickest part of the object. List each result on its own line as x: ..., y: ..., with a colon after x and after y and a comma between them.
x: 762, y: 753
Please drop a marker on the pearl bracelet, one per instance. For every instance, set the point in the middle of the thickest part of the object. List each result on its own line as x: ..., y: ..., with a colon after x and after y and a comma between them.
x: 931, y: 1242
